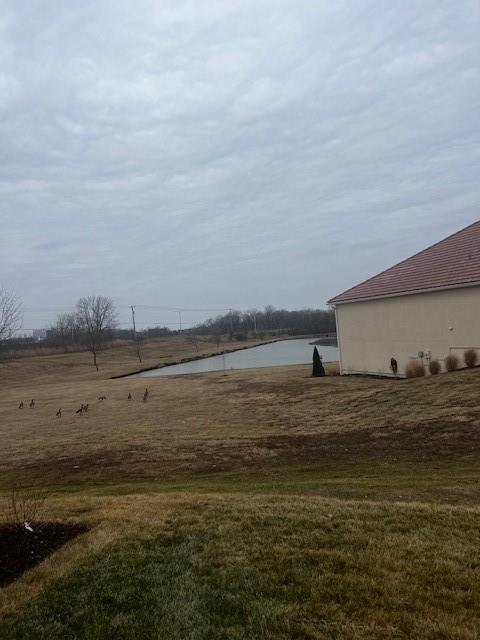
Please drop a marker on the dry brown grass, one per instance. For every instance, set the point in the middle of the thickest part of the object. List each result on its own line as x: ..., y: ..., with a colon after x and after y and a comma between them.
x: 198, y: 422
x: 183, y: 425
x: 39, y: 349
x: 214, y: 421
x: 121, y: 359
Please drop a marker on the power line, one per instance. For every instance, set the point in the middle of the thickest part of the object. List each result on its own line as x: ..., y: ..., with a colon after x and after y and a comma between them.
x: 56, y: 309
x: 146, y: 322
x: 123, y: 306
x: 122, y: 325
x: 177, y: 309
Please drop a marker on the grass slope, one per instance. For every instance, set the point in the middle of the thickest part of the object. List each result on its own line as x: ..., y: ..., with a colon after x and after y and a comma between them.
x: 260, y: 504
x: 276, y: 569
x: 214, y: 423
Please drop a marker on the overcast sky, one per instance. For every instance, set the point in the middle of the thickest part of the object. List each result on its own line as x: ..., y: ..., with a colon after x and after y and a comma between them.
x: 230, y: 153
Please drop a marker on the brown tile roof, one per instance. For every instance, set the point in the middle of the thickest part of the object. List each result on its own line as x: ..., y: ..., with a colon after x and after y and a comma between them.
x: 453, y: 261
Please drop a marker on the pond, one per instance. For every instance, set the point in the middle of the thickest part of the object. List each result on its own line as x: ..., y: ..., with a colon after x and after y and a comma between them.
x: 267, y: 355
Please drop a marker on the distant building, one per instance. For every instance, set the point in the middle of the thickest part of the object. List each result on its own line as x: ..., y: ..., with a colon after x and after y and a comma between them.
x: 39, y: 334
x: 423, y: 308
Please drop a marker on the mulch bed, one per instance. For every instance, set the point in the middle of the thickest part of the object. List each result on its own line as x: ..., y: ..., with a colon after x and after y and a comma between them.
x: 21, y: 549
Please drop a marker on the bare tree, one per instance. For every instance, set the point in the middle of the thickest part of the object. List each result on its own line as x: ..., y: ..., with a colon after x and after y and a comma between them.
x: 96, y: 317
x: 10, y: 314
x: 66, y: 328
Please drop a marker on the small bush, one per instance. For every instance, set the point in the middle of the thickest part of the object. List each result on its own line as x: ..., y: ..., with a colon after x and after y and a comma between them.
x: 434, y: 367
x: 451, y: 362
x: 415, y: 369
x: 24, y: 504
x: 470, y: 356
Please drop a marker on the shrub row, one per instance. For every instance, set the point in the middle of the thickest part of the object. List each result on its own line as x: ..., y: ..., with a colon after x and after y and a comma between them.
x: 415, y: 368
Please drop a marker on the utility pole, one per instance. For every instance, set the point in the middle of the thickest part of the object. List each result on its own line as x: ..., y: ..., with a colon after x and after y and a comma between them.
x: 132, y: 307
x: 179, y: 319
x: 137, y: 344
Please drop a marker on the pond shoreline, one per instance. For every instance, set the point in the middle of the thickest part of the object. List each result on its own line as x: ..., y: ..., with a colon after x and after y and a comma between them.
x: 204, y: 356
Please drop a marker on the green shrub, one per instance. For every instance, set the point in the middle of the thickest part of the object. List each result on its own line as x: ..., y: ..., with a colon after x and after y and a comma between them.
x: 415, y: 369
x: 451, y: 362
x: 470, y: 356
x: 434, y: 367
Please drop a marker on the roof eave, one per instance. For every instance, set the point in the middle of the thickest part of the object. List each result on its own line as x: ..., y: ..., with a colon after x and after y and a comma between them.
x: 475, y: 283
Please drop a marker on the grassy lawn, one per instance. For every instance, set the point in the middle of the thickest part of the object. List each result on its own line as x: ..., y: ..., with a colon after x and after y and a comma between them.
x: 258, y: 504
x: 451, y: 480
x: 274, y: 568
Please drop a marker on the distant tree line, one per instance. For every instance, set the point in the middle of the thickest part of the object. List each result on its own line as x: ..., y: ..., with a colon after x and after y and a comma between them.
x: 66, y: 331
x: 92, y: 325
x: 241, y: 324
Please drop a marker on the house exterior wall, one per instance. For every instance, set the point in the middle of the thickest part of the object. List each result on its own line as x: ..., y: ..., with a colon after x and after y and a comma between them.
x: 373, y: 331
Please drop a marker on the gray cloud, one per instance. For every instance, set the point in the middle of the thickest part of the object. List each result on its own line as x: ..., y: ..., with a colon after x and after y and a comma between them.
x: 230, y: 153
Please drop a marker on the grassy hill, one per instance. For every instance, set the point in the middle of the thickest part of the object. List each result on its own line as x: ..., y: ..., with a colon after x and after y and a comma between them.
x: 257, y: 504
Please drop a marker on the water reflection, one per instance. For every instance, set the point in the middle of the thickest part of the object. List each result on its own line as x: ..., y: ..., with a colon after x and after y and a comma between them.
x: 279, y: 353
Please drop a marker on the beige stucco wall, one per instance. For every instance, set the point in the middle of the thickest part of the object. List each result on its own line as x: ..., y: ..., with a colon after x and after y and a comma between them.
x: 372, y: 332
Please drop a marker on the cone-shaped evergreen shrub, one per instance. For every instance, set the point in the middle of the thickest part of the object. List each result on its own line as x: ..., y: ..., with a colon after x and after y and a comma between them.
x: 318, y: 369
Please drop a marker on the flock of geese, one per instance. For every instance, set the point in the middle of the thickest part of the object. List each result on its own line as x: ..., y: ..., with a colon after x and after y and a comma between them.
x: 83, y: 407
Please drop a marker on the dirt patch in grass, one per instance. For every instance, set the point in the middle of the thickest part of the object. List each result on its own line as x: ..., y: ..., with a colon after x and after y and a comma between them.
x: 21, y: 549
x: 414, y: 442
x: 418, y: 440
